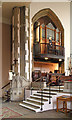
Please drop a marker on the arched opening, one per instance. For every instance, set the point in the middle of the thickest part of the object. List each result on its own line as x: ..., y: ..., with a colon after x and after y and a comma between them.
x: 48, y: 42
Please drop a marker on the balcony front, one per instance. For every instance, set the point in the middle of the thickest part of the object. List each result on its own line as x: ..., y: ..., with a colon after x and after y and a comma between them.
x: 47, y: 50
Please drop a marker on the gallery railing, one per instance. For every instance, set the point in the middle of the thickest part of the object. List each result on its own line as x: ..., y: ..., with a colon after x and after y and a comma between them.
x: 46, y: 48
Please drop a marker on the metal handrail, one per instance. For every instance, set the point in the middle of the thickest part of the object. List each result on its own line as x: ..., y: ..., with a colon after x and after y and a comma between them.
x: 5, y: 85
x: 24, y: 93
x: 41, y: 98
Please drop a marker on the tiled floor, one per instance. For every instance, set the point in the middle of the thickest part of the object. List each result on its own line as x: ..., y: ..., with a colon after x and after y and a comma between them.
x: 30, y: 114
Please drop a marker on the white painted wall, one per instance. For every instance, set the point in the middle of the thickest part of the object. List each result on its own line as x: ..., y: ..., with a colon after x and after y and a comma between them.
x: 0, y: 51
x: 71, y: 27
x: 62, y: 10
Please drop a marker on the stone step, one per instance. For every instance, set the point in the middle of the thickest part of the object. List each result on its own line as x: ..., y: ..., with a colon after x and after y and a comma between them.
x: 29, y: 107
x: 38, y: 102
x: 55, y: 90
x: 54, y: 87
x: 45, y: 92
x: 62, y: 87
x: 45, y: 96
x: 32, y: 104
x: 37, y: 97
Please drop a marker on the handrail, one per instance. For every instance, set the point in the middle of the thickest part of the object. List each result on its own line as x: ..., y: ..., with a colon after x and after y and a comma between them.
x: 49, y: 83
x: 41, y: 99
x: 38, y: 79
x: 5, y: 85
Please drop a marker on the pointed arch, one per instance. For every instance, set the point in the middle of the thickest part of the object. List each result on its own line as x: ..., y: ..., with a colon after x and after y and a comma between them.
x: 48, y: 12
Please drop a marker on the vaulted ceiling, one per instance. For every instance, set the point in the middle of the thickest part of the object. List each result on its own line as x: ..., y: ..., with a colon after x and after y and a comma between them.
x: 46, y: 20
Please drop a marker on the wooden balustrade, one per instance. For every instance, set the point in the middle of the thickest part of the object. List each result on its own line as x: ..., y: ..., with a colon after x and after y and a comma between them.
x: 47, y: 48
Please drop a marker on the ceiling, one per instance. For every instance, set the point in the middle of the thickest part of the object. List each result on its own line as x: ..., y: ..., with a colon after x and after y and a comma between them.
x: 8, y: 6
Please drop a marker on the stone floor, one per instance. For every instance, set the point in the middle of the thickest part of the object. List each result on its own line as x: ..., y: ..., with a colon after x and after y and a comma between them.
x: 30, y: 114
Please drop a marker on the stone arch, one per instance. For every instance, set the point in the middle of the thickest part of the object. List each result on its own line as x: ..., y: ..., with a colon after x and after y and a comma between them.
x: 48, y: 12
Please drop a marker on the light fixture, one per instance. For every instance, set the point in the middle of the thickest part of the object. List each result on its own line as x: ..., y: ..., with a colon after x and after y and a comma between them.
x: 46, y: 58
x: 60, y: 59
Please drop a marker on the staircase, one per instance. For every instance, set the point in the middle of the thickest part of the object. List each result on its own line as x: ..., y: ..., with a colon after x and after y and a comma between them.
x: 6, y: 97
x: 6, y: 92
x: 42, y: 100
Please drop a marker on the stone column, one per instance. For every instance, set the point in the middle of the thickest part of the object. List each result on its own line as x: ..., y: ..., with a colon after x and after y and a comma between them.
x: 25, y: 41
x: 21, y: 41
x: 15, y: 37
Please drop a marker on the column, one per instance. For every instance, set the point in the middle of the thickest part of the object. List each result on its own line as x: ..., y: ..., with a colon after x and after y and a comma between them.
x: 21, y: 41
